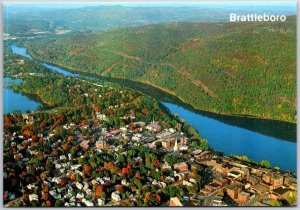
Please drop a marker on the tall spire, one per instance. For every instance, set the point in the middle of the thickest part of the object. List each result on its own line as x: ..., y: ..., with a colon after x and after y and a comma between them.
x: 176, y: 149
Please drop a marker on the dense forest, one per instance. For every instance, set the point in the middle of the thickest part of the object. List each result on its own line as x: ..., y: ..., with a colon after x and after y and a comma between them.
x: 229, y: 68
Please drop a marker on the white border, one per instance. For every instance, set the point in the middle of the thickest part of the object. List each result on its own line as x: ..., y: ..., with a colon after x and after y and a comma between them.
x: 132, y: 1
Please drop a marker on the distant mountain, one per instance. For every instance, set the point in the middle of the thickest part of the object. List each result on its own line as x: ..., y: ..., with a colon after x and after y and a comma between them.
x: 34, y: 19
x: 231, y: 68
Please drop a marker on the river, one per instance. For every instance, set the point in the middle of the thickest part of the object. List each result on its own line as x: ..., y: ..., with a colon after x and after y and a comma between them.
x: 256, y: 138
x: 16, y: 101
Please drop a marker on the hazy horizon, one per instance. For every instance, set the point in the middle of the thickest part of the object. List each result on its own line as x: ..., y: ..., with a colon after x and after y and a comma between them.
x: 72, y: 5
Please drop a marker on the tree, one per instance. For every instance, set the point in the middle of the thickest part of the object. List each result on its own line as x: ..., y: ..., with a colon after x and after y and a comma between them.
x: 121, y: 159
x: 148, y: 162
x: 45, y: 196
x: 124, y: 171
x: 173, y: 191
x: 87, y: 170
x: 110, y: 166
x: 265, y: 163
x: 59, y: 202
x: 157, y: 199
x: 45, y: 187
x: 152, y: 198
x: 277, y: 168
x: 54, y: 153
x: 292, y: 198
x: 119, y: 188
x: 276, y: 203
x: 99, y: 190
x: 138, y: 183
x: 95, y: 174
x: 48, y: 203
x: 66, y: 147
x: 156, y: 163
x: 137, y: 175
x: 72, y: 176
x: 63, y: 181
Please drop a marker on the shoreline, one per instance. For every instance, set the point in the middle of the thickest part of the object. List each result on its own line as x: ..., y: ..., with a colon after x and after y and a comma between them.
x: 161, y: 89
x: 36, y: 97
x: 48, y: 107
x: 32, y: 96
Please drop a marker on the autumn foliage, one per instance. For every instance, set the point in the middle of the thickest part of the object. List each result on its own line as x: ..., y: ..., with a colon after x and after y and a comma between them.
x: 99, y: 190
x: 110, y: 166
x: 152, y: 198
x: 156, y: 163
x: 54, y: 153
x: 87, y: 170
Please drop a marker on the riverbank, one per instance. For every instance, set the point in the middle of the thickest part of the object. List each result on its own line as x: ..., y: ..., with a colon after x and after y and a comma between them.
x: 33, y: 96
x: 192, y: 131
x: 275, y: 128
x: 226, y: 134
x: 79, y: 71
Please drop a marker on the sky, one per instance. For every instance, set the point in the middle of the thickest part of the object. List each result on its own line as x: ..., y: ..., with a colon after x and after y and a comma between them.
x: 153, y: 4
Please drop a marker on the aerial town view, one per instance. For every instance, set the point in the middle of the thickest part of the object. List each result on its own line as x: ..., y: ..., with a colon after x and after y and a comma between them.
x: 148, y: 104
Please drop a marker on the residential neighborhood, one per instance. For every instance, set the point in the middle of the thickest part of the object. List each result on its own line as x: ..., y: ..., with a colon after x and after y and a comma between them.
x: 126, y: 167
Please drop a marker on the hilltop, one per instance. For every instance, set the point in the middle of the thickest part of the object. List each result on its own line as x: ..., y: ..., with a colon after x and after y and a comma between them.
x: 229, y: 68
x: 38, y: 20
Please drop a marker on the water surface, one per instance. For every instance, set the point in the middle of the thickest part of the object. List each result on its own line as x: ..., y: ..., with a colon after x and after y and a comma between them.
x: 256, y: 138
x: 16, y: 101
x: 240, y: 141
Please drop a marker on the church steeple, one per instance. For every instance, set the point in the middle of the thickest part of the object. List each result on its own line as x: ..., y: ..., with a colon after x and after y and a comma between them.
x: 176, y: 149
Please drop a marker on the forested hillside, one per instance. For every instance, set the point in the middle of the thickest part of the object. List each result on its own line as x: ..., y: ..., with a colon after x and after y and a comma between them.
x: 231, y: 68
